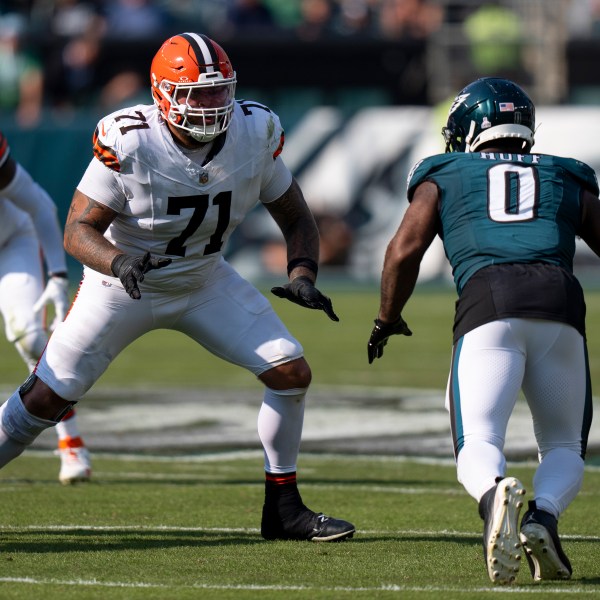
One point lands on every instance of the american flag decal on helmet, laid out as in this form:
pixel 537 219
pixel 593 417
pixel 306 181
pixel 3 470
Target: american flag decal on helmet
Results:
pixel 506 106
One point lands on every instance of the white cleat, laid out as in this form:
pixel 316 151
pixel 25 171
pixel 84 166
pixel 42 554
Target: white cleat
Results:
pixel 502 543
pixel 75 465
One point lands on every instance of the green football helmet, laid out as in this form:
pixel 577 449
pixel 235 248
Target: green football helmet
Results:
pixel 489 109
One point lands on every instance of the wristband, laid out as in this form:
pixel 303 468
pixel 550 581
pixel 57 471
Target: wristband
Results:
pixel 309 263
pixel 116 263
pixel 381 323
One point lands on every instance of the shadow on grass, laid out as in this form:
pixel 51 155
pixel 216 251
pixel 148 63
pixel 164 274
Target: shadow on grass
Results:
pixel 187 479
pixel 74 540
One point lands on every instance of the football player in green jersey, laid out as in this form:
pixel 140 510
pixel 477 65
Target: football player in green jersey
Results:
pixel 508 219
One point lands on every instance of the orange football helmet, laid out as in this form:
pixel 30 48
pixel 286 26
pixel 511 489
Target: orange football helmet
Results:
pixel 193 85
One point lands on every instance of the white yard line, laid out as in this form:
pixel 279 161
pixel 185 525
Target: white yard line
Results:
pixel 292 588
pixel 439 533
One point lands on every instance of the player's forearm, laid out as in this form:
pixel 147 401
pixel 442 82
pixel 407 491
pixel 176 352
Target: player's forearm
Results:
pixel 84 233
pixel 30 197
pixel 401 266
pixel 90 247
pixel 49 234
pixel 398 281
pixel 297 224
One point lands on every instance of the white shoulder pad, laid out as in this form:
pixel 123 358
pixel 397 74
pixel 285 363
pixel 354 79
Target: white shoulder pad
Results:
pixel 264 125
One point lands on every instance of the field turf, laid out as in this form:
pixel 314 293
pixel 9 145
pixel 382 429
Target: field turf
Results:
pixel 337 352
pixel 178 527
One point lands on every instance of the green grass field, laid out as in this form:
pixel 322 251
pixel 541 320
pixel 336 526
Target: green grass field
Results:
pixel 187 527
pixel 336 351
pixel 177 529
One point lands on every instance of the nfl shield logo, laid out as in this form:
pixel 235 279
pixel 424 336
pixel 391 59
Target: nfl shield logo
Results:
pixel 203 177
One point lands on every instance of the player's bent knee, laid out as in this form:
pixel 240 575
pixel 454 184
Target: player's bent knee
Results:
pixel 19 424
pixel 293 374
pixel 41 401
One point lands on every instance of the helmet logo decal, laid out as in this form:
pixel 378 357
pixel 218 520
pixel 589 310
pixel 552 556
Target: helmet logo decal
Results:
pixel 485 124
pixel 457 102
pixel 506 106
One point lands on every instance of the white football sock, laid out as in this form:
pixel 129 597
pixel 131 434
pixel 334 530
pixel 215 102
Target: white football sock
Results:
pixel 68 428
pixel 557 480
pixel 280 422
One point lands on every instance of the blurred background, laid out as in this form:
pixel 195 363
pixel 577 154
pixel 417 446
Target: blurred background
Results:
pixel 362 88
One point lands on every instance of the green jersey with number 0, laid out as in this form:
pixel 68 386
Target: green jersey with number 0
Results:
pixel 499 208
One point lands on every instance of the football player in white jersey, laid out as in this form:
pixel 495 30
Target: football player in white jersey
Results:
pixel 28 222
pixel 149 220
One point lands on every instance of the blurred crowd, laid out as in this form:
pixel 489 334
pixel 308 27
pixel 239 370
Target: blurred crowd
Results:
pixel 61 56
pixel 51 50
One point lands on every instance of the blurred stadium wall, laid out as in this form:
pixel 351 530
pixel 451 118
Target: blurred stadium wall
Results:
pixel 359 111
pixel 352 168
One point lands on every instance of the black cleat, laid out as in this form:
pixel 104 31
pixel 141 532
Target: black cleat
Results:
pixel 306 525
pixel 544 553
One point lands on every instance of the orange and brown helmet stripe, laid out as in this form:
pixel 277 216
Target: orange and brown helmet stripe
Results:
pixel 207 54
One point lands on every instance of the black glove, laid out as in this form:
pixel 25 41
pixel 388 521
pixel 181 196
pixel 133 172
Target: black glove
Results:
pixel 302 291
pixel 380 334
pixel 130 270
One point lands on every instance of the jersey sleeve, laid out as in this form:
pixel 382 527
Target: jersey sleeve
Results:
pixel 101 181
pixel 102 185
pixel 587 177
pixel 4 149
pixel 417 175
pixel 30 197
pixel 268 139
pixel 276 136
pixel 105 139
pixel 425 170
pixel 266 128
pixel 277 183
